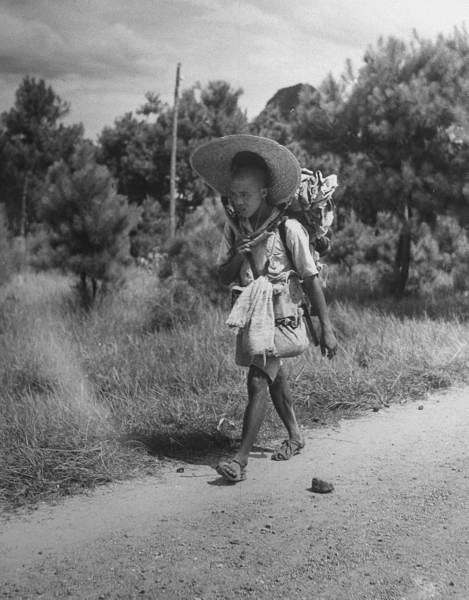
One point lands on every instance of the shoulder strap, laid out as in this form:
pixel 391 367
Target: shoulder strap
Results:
pixel 282 229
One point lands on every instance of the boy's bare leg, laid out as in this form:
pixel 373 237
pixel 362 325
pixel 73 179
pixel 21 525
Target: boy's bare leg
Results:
pixel 283 402
pixel 258 386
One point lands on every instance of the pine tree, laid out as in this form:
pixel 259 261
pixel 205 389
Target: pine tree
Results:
pixel 32 139
pixel 399 131
pixel 89 222
pixel 137 148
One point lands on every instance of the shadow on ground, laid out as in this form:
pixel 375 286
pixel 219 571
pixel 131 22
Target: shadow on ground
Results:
pixel 202 447
pixel 197 447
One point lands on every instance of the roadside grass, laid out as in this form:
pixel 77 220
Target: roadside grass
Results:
pixel 84 397
pixel 362 287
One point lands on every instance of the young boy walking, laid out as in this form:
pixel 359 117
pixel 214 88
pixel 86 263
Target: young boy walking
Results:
pixel 256 174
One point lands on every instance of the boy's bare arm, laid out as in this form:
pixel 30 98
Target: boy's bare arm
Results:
pixel 313 289
pixel 230 270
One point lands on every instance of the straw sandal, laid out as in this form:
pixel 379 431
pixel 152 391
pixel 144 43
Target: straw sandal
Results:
pixel 287 449
pixel 232 470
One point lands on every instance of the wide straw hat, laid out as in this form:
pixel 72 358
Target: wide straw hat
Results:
pixel 213 162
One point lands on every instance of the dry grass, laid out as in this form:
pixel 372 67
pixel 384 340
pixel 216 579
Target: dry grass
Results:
pixel 73 386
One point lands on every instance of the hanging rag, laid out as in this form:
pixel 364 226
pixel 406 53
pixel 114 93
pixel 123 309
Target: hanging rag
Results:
pixel 253 312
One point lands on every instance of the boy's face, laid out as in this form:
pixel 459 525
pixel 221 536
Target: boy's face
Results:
pixel 247 193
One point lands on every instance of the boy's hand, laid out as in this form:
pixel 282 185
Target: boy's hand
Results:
pixel 328 343
pixel 244 246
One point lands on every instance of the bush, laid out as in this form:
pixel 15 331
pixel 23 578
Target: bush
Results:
pixel 191 257
pixel 40 255
pixel 440 257
pixel 177 303
pixel 363 258
pixel 151 231
pixel 358 243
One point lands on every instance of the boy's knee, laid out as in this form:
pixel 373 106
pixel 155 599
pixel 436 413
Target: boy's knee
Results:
pixel 258 381
pixel 280 380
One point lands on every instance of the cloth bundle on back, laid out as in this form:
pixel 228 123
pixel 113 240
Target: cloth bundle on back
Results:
pixel 312 205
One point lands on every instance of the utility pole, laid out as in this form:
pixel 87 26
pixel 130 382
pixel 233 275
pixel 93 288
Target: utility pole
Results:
pixel 172 173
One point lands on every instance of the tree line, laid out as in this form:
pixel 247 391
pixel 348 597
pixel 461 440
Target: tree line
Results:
pixel 396 132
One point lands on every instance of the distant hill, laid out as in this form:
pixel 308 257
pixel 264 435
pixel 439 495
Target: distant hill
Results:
pixel 275 120
pixel 287 98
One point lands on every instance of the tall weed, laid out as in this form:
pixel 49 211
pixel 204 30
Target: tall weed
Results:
pixel 75 385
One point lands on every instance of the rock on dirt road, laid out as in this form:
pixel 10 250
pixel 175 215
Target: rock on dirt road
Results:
pixel 395 527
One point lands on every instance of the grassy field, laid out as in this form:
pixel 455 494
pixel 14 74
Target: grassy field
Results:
pixel 84 397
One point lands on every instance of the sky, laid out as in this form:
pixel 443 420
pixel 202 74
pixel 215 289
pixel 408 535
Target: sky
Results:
pixel 102 56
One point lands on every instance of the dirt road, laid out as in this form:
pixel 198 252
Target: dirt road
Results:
pixel 396 526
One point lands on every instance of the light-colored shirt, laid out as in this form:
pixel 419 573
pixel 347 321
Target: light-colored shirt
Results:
pixel 270 256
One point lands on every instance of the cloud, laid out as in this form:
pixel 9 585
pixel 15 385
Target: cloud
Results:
pixel 360 23
pixel 27 47
pixel 31 46
pixel 264 48
pixel 103 55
